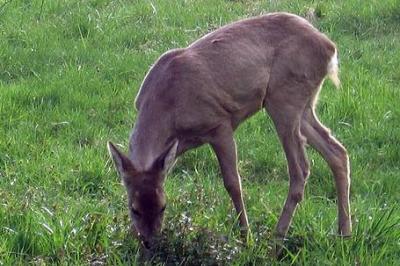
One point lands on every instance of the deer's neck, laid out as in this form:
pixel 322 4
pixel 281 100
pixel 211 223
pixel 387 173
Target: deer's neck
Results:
pixel 150 137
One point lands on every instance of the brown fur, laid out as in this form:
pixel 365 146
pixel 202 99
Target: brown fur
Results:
pixel 200 94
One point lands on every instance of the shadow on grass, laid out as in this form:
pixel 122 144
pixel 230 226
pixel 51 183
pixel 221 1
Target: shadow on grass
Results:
pixel 183 243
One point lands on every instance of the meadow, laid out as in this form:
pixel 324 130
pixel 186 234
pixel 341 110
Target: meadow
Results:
pixel 69 73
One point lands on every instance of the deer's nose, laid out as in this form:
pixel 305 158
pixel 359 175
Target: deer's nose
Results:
pixel 146 244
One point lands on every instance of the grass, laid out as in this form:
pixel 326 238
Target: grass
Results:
pixel 69 71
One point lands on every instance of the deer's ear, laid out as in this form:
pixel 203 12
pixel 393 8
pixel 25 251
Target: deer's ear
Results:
pixel 122 163
pixel 166 160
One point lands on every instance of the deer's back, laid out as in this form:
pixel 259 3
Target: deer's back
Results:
pixel 225 75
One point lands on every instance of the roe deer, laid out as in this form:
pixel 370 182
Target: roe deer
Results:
pixel 200 94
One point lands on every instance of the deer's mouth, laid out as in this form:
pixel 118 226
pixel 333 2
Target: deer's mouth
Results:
pixel 146 244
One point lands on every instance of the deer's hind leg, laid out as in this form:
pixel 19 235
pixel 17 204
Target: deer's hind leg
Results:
pixel 319 137
pixel 286 110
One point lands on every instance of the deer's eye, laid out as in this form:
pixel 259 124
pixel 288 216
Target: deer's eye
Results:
pixel 135 212
pixel 163 208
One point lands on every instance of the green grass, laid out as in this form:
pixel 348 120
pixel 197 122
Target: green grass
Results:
pixel 69 72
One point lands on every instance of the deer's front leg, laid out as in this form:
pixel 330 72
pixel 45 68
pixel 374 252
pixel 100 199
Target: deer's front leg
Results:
pixel 224 147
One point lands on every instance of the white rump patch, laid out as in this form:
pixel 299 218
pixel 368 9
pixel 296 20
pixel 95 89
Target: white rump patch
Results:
pixel 333 70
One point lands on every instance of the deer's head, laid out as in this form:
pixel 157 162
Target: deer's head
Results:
pixel 146 197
